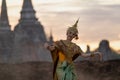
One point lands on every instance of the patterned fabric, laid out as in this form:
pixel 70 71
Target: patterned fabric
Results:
pixel 71 51
pixel 65 71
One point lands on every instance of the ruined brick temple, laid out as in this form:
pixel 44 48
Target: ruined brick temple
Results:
pixel 25 43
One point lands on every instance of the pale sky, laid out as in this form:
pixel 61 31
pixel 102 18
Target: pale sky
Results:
pixel 99 19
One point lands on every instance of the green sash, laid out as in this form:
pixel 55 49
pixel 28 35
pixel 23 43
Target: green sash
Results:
pixel 65 71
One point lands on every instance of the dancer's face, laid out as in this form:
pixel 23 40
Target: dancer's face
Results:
pixel 71 35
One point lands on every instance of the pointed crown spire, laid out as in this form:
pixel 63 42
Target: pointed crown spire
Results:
pixel 73 28
pixel 75 25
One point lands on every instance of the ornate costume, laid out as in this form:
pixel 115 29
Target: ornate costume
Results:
pixel 63 56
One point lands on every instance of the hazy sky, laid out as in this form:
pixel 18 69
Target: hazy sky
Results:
pixel 99 19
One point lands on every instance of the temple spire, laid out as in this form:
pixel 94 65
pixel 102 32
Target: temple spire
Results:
pixel 88 49
pixel 28 12
pixel 4 22
pixel 51 37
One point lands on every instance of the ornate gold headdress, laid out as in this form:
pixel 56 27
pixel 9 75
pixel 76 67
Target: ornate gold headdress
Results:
pixel 73 28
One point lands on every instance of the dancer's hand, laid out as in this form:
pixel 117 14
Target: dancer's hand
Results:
pixel 46 45
pixel 49 47
pixel 97 53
